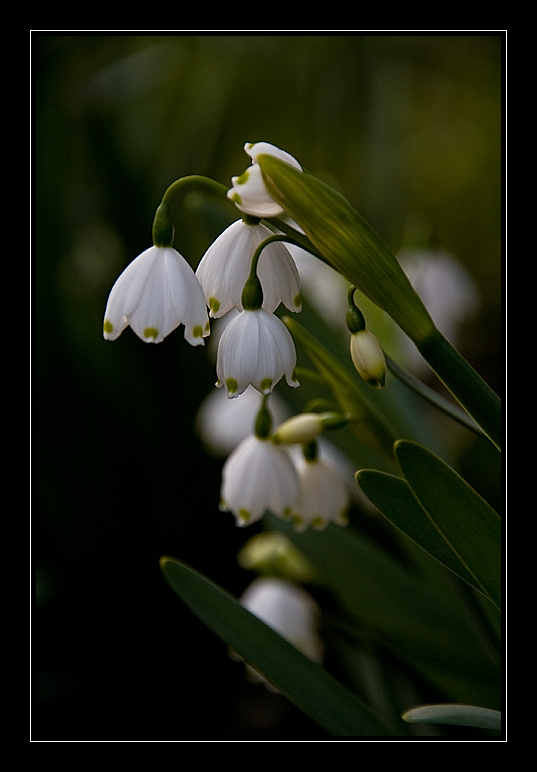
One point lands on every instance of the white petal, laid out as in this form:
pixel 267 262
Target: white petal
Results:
pixel 224 268
pixel 324 497
pixel 250 194
pixel 124 295
pixel 278 274
pixel 278 339
pixel 264 148
pixel 186 298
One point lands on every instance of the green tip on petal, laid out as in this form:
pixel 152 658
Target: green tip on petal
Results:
pixel 244 516
pixel 214 305
pixel 243 178
pixel 231 385
pixel 298 300
pixel 266 384
pixel 198 331
pixel 151 332
pixel 107 327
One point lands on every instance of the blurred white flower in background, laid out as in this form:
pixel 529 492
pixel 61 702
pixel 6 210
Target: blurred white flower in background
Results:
pixel 324 288
pixel 290 611
pixel 447 290
pixel 223 423
pixel 324 497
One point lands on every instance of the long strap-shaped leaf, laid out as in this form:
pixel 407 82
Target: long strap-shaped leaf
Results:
pixel 306 684
pixel 393 497
pixel 351 245
pixel 467 523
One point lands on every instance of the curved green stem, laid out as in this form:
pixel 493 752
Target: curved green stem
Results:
pixel 163 229
pixel 196 182
pixel 252 296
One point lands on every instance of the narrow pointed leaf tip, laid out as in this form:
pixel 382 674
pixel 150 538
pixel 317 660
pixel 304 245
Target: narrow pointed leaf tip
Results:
pixel 469 525
pixel 459 715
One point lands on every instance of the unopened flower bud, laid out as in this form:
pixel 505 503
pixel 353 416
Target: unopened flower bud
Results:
pixel 306 427
pixel 368 358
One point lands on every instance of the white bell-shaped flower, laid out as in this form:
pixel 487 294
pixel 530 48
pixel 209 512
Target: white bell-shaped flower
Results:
pixel 255 348
pixel 249 192
pixel 156 293
pixel 258 476
pixel 225 267
pixel 324 496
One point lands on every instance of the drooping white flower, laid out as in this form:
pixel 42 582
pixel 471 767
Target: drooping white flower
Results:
pixel 255 348
pixel 258 476
pixel 225 267
pixel 156 293
pixel 249 192
pixel 324 496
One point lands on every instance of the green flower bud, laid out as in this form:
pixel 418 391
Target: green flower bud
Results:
pixel 348 243
pixel 306 427
pixel 368 358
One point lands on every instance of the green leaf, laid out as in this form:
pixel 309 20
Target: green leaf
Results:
pixel 467 523
pixel 461 715
pixel 351 245
pixel 393 497
pixel 306 684
pixel 395 606
pixel 348 243
pixel 350 392
pixel 466 385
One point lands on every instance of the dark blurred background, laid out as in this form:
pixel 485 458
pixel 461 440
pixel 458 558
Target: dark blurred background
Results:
pixel 408 127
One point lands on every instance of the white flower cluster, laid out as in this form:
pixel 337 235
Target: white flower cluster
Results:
pixel 159 290
pixel 264 473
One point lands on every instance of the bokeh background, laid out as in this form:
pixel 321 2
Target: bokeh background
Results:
pixel 408 127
